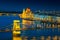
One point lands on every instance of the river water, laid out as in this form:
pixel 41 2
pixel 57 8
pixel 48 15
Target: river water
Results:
pixel 30 33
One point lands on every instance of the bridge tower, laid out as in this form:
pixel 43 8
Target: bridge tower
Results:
pixel 16 30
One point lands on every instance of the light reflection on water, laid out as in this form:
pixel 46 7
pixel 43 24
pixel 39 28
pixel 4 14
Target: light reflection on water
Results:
pixel 29 33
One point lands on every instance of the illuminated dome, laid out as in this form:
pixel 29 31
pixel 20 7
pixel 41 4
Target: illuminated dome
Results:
pixel 28 10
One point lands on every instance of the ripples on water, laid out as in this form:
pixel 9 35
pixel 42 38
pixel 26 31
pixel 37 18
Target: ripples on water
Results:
pixel 5 36
pixel 30 33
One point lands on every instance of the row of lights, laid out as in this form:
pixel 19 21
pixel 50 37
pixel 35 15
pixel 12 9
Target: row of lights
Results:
pixel 7 14
pixel 42 38
pixel 39 26
pixel 43 25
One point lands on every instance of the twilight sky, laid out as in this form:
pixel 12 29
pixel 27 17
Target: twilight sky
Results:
pixel 18 5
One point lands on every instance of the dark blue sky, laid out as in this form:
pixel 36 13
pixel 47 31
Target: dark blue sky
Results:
pixel 18 5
